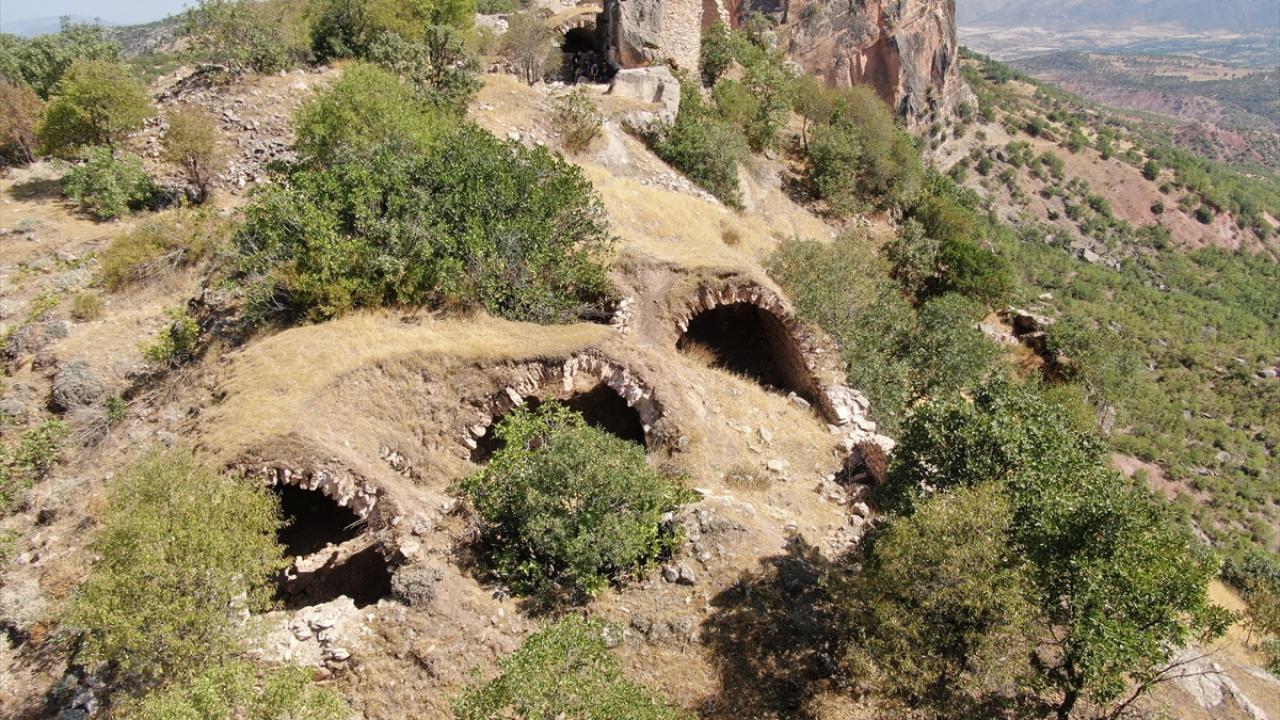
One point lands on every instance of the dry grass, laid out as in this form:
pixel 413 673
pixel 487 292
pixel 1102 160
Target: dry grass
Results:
pixel 747 477
pixel 269 385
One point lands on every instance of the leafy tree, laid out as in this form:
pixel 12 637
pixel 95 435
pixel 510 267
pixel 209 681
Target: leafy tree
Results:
pixel 703 147
pixel 237 689
pixel 1098 359
pixel 834 154
pixel 949 353
pixel 42 61
pixel 98 103
pixel 563 671
pixel 180 550
pixel 939 611
pixel 348 28
pixel 567 507
pixel 241 35
pixel 716 54
pixel 1120 585
pixel 437 65
pixel 108 187
pixel 814 102
pixel 1262 616
pixel 462 219
pixel 528 45
pixel 771 82
pixel 862 156
pixel 191 143
pixel 18 141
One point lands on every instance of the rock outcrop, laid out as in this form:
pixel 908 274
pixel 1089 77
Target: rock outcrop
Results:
pixel 906 49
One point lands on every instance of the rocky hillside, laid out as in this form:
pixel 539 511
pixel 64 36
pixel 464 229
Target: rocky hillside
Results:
pixel 449 371
pixel 1247 16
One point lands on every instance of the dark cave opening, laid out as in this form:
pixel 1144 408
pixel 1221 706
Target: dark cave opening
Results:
pixel 602 407
pixel 313 520
pixel 579 39
pixel 364 576
pixel 584 59
pixel 749 340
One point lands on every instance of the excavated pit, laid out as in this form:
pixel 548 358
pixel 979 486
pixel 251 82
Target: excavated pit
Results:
pixel 749 340
pixel 331 553
pixel 602 407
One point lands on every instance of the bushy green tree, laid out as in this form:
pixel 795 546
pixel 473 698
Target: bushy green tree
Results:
pixel 191 143
pixel 703 146
pixel 97 103
pixel 949 352
pixel 716 54
pixel 563 671
pixel 1262 616
pixel 1097 359
pixel 939 611
pixel 19 121
pixel 863 158
pixel 578 118
pixel 106 186
pixel 566 507
pixel 180 552
pixel 394 203
pixel 437 65
pixel 348 28
pixel 1119 583
pixel 242 35
pixel 43 60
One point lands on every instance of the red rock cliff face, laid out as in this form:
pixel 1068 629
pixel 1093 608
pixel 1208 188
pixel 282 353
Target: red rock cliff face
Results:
pixel 906 49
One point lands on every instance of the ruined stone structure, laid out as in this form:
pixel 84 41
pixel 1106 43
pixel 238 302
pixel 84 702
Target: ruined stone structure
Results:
pixel 906 49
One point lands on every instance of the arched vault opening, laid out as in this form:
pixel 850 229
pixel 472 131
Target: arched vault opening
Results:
pixel 752 341
pixel 601 407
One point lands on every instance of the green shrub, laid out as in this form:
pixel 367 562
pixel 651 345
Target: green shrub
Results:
pixel 1121 585
pixel 86 306
pixel 465 221
pixel 191 143
pixel 29 460
pixel 939 613
pixel 862 156
pixel 947 350
pixel 106 186
pixel 18 124
pixel 437 65
pixel 348 28
pixel 97 103
pixel 562 671
pixel 578 119
pixel 702 146
pixel 161 245
pixel 771 83
pixel 245 35
pixel 238 690
pixel 180 552
pixel 117 410
pixel 566 507
pixel 42 61
pixel 1205 215
pixel 177 343
pixel 716 54
pixel 1262 616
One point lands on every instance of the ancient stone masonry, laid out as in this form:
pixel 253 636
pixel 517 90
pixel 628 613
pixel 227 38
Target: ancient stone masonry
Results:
pixel 578 374
pixel 336 483
pixel 808 359
pixel 651 32
pixel 906 49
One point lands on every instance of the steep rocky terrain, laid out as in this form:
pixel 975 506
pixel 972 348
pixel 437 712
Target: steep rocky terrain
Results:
pixel 1235 15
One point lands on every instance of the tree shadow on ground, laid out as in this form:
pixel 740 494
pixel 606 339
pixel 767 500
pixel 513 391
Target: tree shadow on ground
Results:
pixel 775 638
pixel 38 189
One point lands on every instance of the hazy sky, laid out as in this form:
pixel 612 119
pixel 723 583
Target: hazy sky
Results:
pixel 113 11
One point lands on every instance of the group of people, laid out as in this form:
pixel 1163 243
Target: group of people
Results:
pixel 589 66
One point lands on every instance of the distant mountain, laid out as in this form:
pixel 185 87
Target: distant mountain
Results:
pixel 39 26
pixel 1251 16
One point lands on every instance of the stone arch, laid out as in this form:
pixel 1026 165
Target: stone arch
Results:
pixel 745 328
pixel 610 396
pixel 326 536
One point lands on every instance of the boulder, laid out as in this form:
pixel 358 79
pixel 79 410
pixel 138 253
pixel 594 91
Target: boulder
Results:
pixel 76 385
pixel 653 85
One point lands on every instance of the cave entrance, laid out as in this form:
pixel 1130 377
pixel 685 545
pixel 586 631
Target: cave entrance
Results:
pixel 313 520
pixel 362 575
pixel 749 340
pixel 331 555
pixel 602 407
pixel 584 59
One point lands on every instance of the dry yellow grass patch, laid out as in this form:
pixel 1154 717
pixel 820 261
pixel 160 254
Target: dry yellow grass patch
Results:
pixel 268 386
